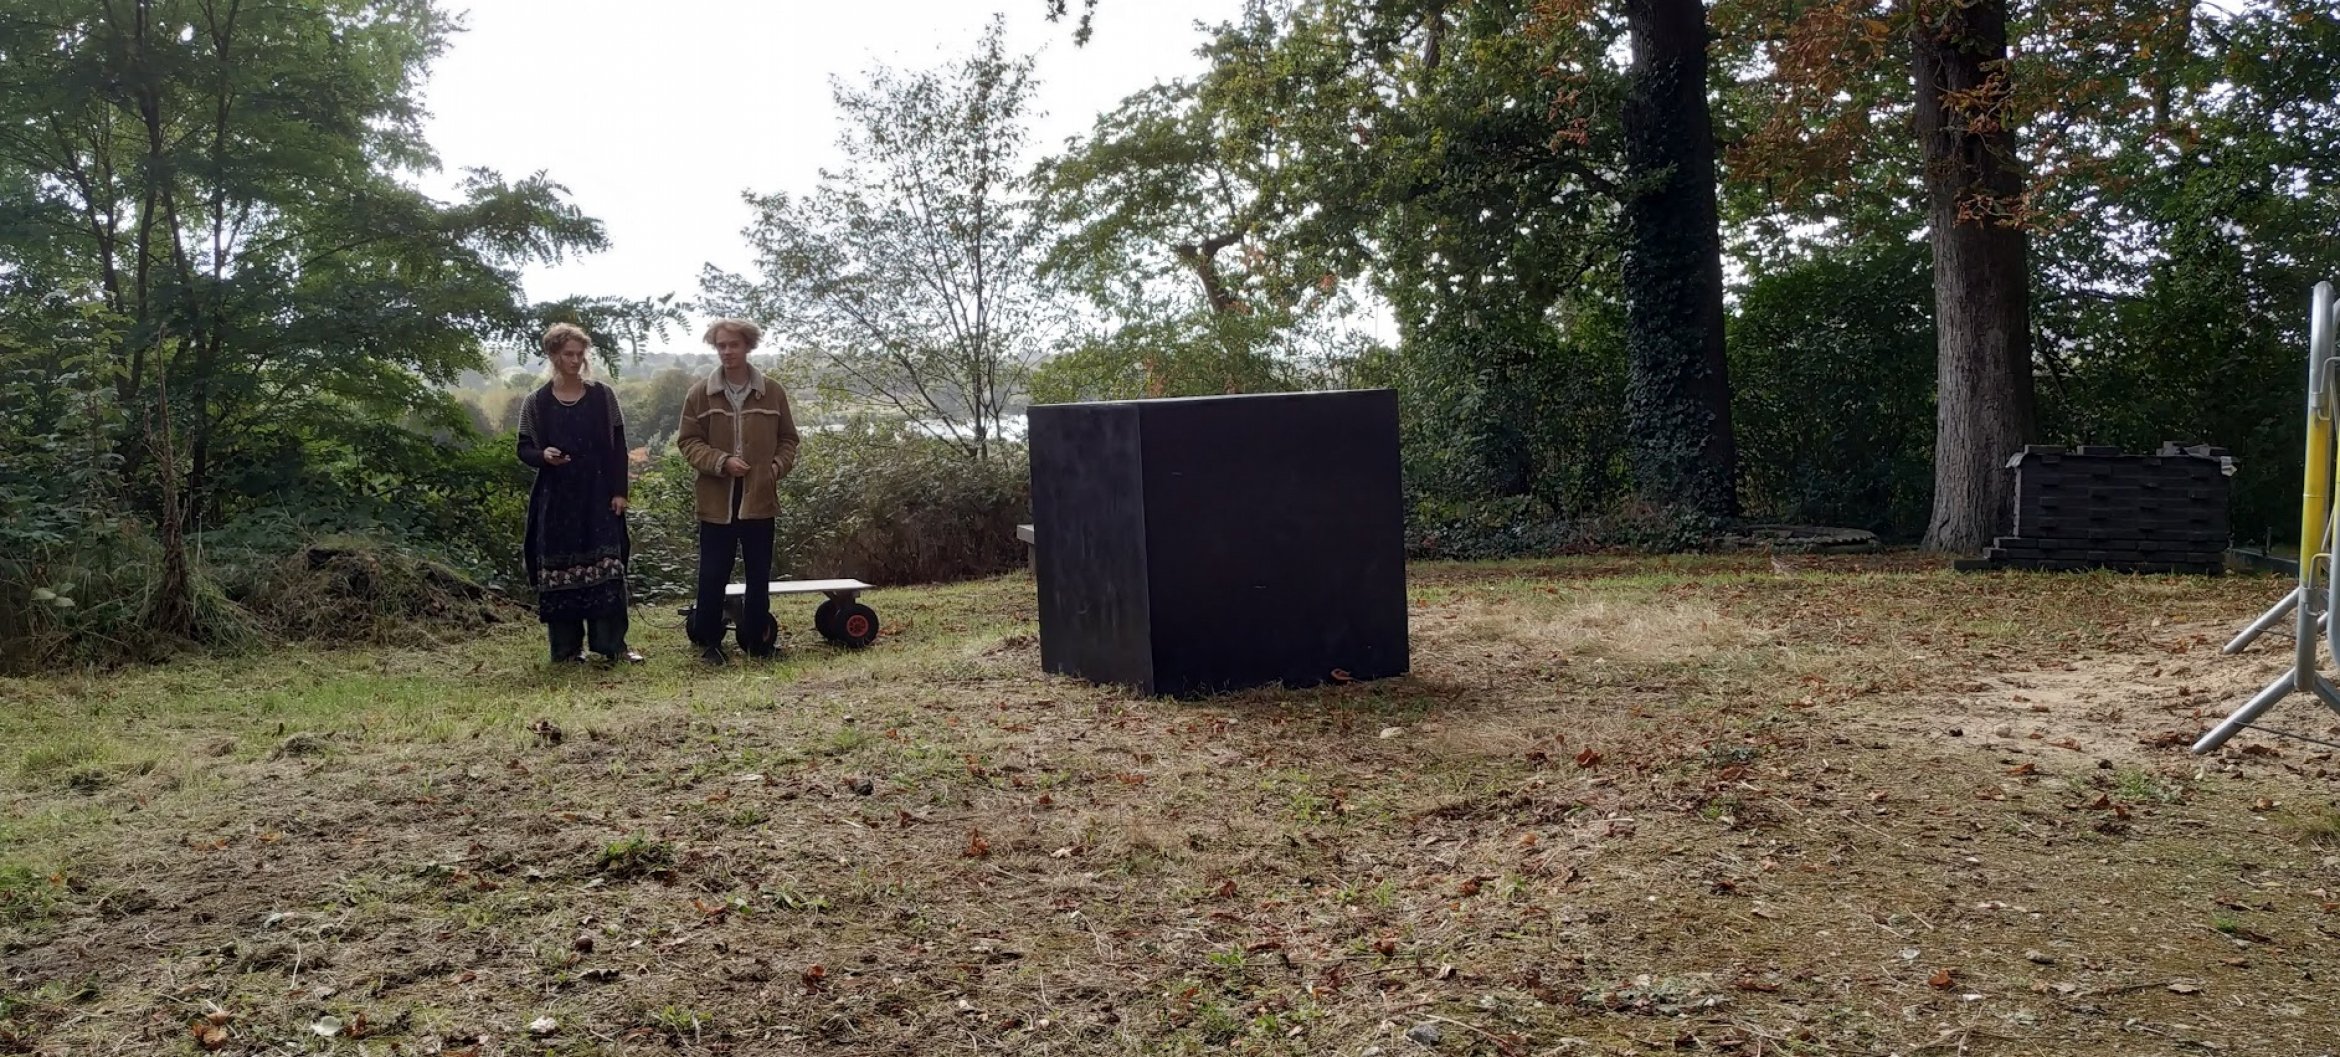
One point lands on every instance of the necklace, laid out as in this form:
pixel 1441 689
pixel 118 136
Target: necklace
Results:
pixel 569 401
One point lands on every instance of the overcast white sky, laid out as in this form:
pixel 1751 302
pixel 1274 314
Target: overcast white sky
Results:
pixel 658 114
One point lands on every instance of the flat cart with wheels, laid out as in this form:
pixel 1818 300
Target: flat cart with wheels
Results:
pixel 841 617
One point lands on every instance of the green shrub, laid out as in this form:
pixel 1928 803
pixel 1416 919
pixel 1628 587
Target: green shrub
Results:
pixel 1832 372
pixel 460 498
pixel 1519 528
pixel 866 501
pixel 90 601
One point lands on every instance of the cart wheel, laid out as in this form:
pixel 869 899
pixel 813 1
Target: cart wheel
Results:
pixel 761 641
pixel 825 620
pixel 857 625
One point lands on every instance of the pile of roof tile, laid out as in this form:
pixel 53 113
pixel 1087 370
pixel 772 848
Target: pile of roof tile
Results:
pixel 2096 508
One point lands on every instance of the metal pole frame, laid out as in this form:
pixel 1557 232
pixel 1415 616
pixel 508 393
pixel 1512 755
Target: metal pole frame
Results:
pixel 2309 606
pixel 2291 599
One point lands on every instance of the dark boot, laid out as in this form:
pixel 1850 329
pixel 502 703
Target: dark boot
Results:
pixel 567 638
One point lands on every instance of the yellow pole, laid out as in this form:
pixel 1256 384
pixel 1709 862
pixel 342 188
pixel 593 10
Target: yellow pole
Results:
pixel 2315 506
pixel 2316 500
pixel 2315 503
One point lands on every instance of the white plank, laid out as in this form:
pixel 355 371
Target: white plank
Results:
pixel 801 587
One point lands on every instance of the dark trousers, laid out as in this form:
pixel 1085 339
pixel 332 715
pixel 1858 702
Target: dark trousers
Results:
pixel 751 541
pixel 607 635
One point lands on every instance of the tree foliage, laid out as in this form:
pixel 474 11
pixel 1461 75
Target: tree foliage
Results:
pixel 911 271
pixel 225 295
pixel 1833 361
pixel 1190 220
pixel 1469 163
pixel 2179 174
pixel 1466 162
pixel 223 180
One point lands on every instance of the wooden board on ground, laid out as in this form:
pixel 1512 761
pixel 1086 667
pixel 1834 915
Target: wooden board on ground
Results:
pixel 801 587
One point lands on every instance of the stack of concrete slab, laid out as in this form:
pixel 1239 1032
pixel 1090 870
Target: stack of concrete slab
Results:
pixel 2097 508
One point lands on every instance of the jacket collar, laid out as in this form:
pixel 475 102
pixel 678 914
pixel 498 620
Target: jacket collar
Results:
pixel 716 382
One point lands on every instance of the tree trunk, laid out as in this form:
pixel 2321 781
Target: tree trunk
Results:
pixel 172 610
pixel 1203 259
pixel 1678 402
pixel 1974 188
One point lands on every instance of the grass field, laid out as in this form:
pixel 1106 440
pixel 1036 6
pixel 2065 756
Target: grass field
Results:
pixel 1621 806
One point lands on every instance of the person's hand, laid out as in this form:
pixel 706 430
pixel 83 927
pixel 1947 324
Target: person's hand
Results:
pixel 617 504
pixel 735 466
pixel 555 457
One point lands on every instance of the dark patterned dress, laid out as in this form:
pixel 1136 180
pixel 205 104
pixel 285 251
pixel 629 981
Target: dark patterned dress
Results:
pixel 577 548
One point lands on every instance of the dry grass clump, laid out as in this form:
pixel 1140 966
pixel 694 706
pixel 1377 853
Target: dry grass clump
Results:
pixel 355 592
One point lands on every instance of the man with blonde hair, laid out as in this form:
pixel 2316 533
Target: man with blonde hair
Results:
pixel 738 433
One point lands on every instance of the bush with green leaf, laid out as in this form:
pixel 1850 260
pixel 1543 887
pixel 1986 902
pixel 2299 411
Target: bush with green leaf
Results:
pixel 90 603
pixel 1512 433
pixel 866 500
pixel 1832 364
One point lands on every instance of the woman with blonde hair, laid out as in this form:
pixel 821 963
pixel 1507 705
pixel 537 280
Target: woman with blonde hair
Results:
pixel 577 547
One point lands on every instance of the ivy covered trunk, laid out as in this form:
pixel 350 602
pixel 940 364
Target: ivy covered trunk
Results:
pixel 1678 402
pixel 1974 190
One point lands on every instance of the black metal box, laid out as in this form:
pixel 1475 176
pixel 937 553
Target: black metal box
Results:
pixel 1191 546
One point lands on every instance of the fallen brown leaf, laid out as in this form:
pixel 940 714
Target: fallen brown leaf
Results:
pixel 208 1035
pixel 1941 979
